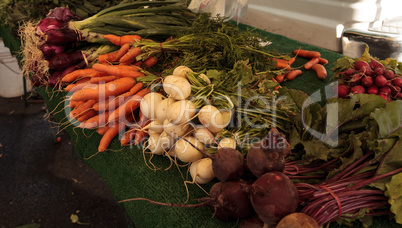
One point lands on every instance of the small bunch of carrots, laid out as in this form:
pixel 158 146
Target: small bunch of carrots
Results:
pixel 316 63
pixel 127 53
pixel 106 97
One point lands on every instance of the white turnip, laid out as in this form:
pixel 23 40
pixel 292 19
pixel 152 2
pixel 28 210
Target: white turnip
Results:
pixel 181 111
pixel 188 149
pixel 177 87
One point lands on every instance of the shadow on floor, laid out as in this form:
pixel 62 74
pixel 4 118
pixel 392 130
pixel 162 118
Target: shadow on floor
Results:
pixel 43 182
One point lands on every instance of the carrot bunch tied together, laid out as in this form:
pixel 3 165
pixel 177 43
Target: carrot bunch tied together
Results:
pixel 106 97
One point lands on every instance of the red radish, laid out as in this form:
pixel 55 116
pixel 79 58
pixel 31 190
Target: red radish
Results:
pixel 367 81
pixel 358 89
pixel 374 64
pixel 378 71
pixel 366 70
pixel 395 90
pixel 384 96
pixel 372 90
pixel 360 64
pixel 380 81
pixel 385 90
pixel 389 74
pixel 356 78
pixel 397 82
pixel 342 90
pixel 350 72
pixel 273 196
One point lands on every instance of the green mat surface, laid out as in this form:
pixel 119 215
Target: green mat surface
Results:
pixel 129 173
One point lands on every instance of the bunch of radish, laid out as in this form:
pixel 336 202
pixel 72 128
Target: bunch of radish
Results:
pixel 370 77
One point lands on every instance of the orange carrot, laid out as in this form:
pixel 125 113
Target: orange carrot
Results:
pixel 291 61
pixel 86 115
pixel 83 80
pixel 109 135
pixel 132 53
pixel 112 104
pixel 140 136
pixel 117 70
pixel 122 51
pixel 129 106
pixel 127 137
pixel 76 74
pixel 121 40
pixel 323 61
pixel 293 74
pixel 102 79
pixel 280 78
pixel 129 62
pixel 98 74
pixel 107 57
pixel 101 130
pixel 307 53
pixel 103 91
pixel 96 121
pixel 311 63
pixel 149 62
pixel 281 63
pixel 138 63
pixel 75 104
pixel 82 109
pixel 320 71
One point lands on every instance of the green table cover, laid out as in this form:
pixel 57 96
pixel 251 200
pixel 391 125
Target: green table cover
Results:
pixel 130 174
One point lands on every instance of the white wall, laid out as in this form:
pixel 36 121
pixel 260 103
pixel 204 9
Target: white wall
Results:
pixel 318 22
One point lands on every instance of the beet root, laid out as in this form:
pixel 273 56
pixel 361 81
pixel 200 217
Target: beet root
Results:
pixel 228 164
pixel 297 220
pixel 230 200
pixel 268 154
pixel 273 196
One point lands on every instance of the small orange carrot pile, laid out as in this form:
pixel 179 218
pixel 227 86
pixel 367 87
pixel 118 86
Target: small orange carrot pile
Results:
pixel 106 97
pixel 315 62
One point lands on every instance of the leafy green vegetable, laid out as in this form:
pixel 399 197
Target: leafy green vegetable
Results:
pixel 394 194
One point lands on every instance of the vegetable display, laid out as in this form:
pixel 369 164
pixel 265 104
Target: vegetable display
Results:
pixel 213 102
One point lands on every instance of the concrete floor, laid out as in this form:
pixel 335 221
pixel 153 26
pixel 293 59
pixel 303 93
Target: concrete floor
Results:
pixel 42 183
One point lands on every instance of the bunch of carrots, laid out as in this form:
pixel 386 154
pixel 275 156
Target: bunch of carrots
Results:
pixel 106 96
pixel 315 62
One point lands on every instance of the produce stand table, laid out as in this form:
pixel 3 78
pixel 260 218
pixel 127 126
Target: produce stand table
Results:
pixel 129 174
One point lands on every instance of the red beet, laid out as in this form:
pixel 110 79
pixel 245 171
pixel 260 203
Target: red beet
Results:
pixel 268 154
pixel 230 200
pixel 358 89
pixel 228 164
pixel 273 196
